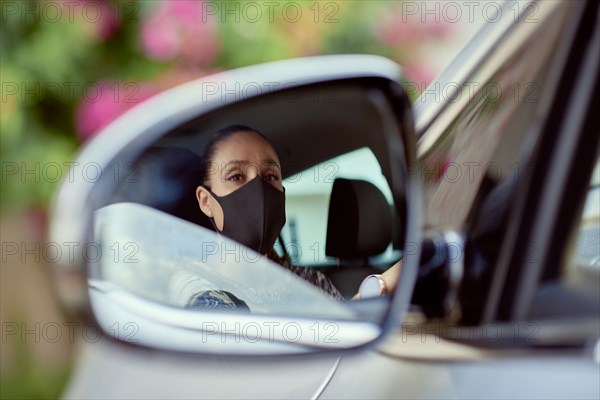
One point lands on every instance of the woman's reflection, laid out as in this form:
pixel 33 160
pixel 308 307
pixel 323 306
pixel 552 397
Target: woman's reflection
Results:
pixel 241 192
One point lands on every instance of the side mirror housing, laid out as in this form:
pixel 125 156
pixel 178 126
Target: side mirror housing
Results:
pixel 312 110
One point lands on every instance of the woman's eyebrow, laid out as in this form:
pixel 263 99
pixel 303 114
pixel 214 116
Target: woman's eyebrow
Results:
pixel 236 162
pixel 268 161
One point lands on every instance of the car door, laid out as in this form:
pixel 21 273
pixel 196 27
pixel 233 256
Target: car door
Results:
pixel 506 150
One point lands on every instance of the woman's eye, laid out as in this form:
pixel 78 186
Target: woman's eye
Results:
pixel 271 178
pixel 235 178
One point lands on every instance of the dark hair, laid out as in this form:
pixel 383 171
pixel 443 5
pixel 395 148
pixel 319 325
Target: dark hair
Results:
pixel 208 155
pixel 211 147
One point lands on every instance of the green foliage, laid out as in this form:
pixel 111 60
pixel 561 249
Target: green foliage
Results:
pixel 48 65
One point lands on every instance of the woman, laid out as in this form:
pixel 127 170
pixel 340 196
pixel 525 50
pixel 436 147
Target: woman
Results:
pixel 241 191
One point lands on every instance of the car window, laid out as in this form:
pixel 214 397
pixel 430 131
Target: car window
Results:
pixel 573 293
pixel 307 203
pixel 585 252
pixel 475 153
pixel 483 142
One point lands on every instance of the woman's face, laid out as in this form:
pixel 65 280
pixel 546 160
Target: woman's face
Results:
pixel 238 159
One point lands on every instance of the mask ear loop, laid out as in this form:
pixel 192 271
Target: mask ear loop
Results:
pixel 212 219
pixel 280 239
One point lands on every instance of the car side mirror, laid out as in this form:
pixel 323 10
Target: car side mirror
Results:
pixel 147 261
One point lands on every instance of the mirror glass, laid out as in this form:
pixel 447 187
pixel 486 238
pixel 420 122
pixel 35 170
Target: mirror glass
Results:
pixel 275 206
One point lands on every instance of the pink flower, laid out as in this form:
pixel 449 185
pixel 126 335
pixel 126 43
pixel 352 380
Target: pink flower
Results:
pixel 109 22
pixel 420 73
pixel 437 28
pixel 160 37
pixel 180 29
pixel 199 47
pixel 187 12
pixel 397 29
pixel 400 27
pixel 106 102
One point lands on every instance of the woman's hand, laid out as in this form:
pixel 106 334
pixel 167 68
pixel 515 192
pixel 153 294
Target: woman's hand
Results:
pixel 389 277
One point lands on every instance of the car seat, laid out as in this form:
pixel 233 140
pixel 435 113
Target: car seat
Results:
pixel 164 178
pixel 359 226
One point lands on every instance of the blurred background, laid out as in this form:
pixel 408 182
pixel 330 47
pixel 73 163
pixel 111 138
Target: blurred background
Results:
pixel 68 68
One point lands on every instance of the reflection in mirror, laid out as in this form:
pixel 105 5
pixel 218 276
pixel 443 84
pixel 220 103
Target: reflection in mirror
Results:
pixel 278 205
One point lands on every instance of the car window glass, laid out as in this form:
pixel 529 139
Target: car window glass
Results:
pixel 574 292
pixel 484 142
pixel 307 203
pixel 585 252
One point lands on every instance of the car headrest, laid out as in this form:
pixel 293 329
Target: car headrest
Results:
pixel 360 220
pixel 164 178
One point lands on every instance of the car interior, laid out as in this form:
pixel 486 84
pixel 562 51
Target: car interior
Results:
pixel 361 224
pixel 363 231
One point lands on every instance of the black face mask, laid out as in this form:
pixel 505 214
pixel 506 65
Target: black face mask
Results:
pixel 253 215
